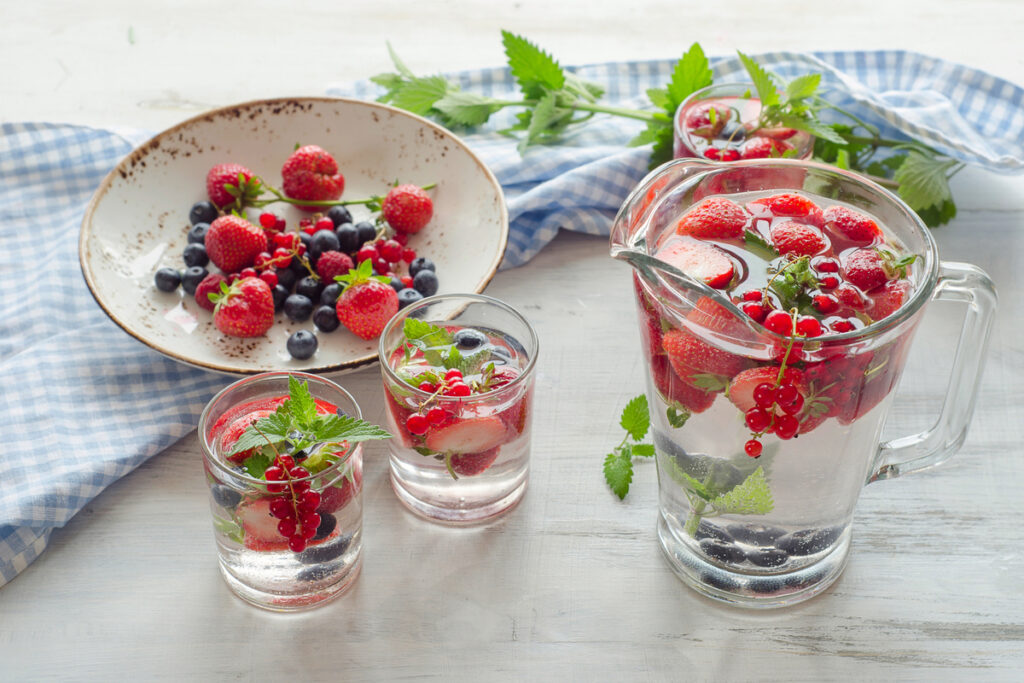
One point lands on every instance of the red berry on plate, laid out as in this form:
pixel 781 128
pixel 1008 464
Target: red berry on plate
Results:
pixel 408 255
pixel 366 304
pixel 233 243
pixel 245 310
pixel 331 264
pixel 227 174
pixel 270 277
pixel 312 173
pixel 407 208
pixel 391 251
pixel 209 285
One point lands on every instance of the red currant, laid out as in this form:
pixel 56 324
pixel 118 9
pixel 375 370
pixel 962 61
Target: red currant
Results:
pixel 756 311
pixel 786 426
pixel 406 280
pixel 753 448
pixel 391 251
pixel 366 253
pixel 401 238
pixel 427 387
pixel 300 487
pixel 285 461
pixel 324 224
pixel 380 266
pixel 808 326
pixel 281 509
pixel 764 395
pixel 273 473
pixel 712 153
pixel 281 224
pixel 297 543
pixel 310 522
pixel 828 282
pixel 270 277
pixel 282 257
pixel 247 273
pixel 825 303
pixel 268 220
pixel 286 527
pixel 436 415
pixel 275 488
pixel 453 374
pixel 827 265
pixel 786 394
pixel 779 322
pixel 842 326
pixel 753 295
pixel 408 255
pixel 459 389
pixel 261 260
pixel 729 155
pixel 758 419
pixel 298 472
pixel 417 424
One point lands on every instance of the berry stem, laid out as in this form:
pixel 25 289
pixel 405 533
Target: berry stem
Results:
pixel 281 197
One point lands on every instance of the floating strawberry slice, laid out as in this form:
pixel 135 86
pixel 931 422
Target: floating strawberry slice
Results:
pixel 260 526
pixel 235 430
pixel 798 238
pixel 468 435
pixel 333 498
pixel 713 218
pixel 788 205
pixel 691 356
pixel 760 147
pixel 853 225
pixel 699 260
pixel 887 299
pixel 471 464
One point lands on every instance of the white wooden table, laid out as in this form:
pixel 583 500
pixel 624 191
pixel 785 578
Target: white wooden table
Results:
pixel 571 585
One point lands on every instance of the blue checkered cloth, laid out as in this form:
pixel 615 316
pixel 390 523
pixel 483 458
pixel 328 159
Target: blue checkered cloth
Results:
pixel 83 403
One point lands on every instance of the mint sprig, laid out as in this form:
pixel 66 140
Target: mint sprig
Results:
pixel 618 465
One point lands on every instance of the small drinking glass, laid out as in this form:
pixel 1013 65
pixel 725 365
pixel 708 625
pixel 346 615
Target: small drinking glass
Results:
pixel 257 561
pixel 458 374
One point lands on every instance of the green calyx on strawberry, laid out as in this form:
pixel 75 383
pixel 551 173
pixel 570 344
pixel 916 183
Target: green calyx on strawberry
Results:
pixel 232 186
pixel 367 301
pixel 244 309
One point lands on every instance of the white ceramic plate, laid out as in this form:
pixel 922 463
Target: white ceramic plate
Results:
pixel 138 219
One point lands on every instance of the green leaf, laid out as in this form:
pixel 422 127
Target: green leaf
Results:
pixel 300 403
pixel 939 214
pixel 229 528
pixel 759 245
pixel 659 97
pixel 710 382
pixel 662 150
pixel 431 335
pixel 643 450
pixel 257 463
pixel 636 418
pixel 543 115
pixel 388 81
pixel 764 83
pixel 923 180
pixel 677 415
pixel 420 94
pixel 691 73
pixel 618 471
pixel 272 429
pixel 338 428
pixel 803 86
pixel 402 68
pixel 586 90
pixel 685 480
pixel 467 109
pixel 810 125
pixel 534 69
pixel 752 497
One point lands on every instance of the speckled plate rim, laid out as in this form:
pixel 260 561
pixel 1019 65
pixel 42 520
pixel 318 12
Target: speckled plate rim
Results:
pixel 140 152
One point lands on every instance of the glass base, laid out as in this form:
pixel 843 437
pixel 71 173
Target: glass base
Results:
pixel 467 513
pixel 293 601
pixel 757 591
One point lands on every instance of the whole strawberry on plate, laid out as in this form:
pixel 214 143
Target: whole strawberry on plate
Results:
pixel 245 309
pixel 233 243
pixel 407 208
pixel 367 301
pixel 226 183
pixel 311 174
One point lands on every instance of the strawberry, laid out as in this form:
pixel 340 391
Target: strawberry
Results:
pixel 675 390
pixel 245 309
pixel 690 356
pixel 850 297
pixel 468 435
pixel 853 225
pixel 865 268
pixel 789 205
pixel 233 243
pixel 710 314
pixel 335 497
pixel 311 173
pixel 331 264
pixel 699 260
pixel 798 238
pixel 407 208
pixel 367 302
pixel 741 387
pixel 235 430
pixel 698 119
pixel 713 218
pixel 470 464
pixel 260 526
pixel 760 147
pixel 248 187
pixel 209 285
pixel 887 299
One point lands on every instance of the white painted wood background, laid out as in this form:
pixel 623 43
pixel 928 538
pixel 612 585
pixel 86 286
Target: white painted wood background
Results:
pixel 571 585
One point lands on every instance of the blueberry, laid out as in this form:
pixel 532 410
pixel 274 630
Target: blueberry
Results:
pixel 733 130
pixel 298 308
pixel 348 238
pixel 468 339
pixel 768 557
pixel 339 215
pixel 425 282
pixel 397 284
pixel 309 287
pixel 720 581
pixel 328 523
pixel 225 496
pixel 329 295
pixel 421 263
pixel 167 279
pixel 197 235
pixel 202 212
pixel 191 278
pixel 326 318
pixel 286 277
pixel 808 541
pixel 708 530
pixel 323 240
pixel 302 344
pixel 367 231
pixel 296 268
pixel 305 238
pixel 755 534
pixel 195 255
pixel 327 551
pixel 408 296
pixel 280 293
pixel 721 551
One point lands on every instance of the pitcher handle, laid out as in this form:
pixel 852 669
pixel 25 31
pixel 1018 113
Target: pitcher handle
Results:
pixel 969 284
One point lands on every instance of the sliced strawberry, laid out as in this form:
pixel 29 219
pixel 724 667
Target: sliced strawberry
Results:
pixel 699 260
pixel 675 390
pixel 517 416
pixel 260 526
pixel 333 498
pixel 691 357
pixel 852 225
pixel 760 147
pixel 788 205
pixel 798 238
pixel 713 218
pixel 468 435
pixel 471 464
pixel 888 298
pixel 235 430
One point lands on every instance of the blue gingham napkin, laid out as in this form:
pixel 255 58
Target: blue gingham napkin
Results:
pixel 82 403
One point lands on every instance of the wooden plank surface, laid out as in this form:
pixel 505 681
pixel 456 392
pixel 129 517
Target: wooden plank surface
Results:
pixel 571 585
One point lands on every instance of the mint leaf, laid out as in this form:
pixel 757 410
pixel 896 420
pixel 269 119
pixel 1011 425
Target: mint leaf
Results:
pixel 420 94
pixel 684 479
pixel 271 429
pixel 542 118
pixel 636 419
pixel 677 415
pixel 939 214
pixel 430 335
pixel 618 471
pixel 467 109
pixel 691 73
pixel 709 382
pixel 764 83
pixel 229 528
pixel 803 86
pixel 338 428
pixel 257 463
pixel 923 180
pixel 643 450
pixel 752 497
pixel 300 403
pixel 534 69
pixel 759 245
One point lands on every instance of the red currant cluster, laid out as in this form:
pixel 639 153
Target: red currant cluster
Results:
pixel 297 507
pixel 757 304
pixel 451 385
pixel 386 254
pixel 716 154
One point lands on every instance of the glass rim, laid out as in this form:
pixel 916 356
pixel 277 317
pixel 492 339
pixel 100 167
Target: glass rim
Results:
pixel 920 294
pixel 210 457
pixel 523 378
